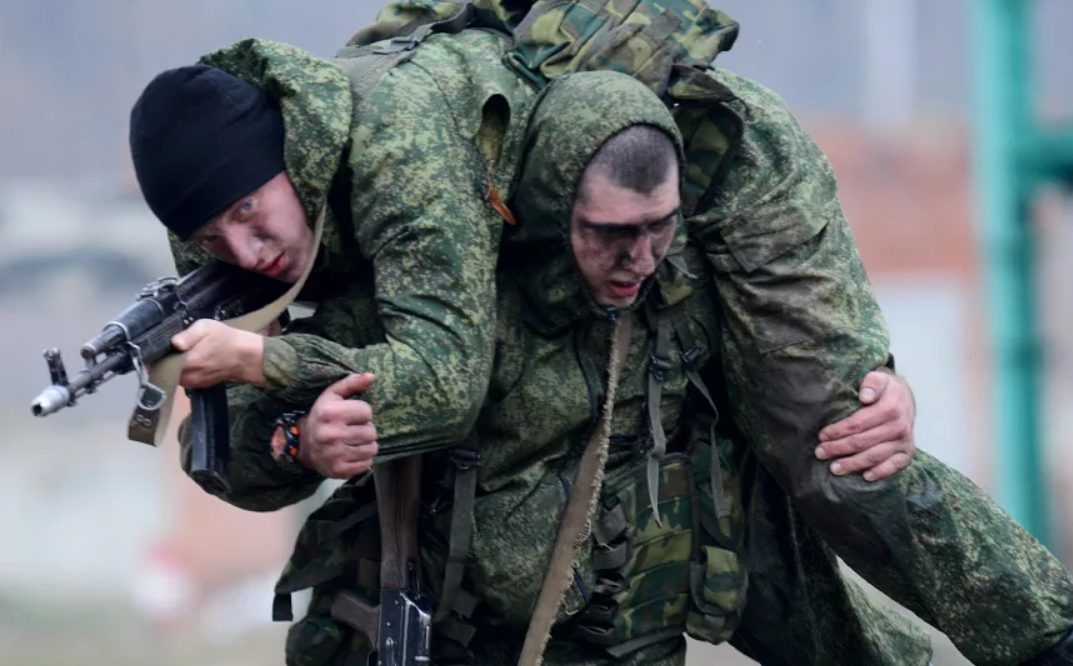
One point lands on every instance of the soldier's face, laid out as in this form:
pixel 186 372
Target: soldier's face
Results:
pixel 266 231
pixel 619 236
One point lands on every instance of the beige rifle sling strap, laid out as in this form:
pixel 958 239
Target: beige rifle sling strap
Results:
pixel 149 426
pixel 577 519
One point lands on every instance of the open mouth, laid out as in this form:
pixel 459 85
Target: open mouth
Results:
pixel 624 289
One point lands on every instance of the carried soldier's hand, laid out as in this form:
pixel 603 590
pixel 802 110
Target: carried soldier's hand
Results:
pixel 338 438
pixel 216 352
pixel 878 439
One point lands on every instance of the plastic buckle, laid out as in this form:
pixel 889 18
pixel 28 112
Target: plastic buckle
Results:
pixel 397 45
pixel 464 459
pixel 690 358
pixel 659 366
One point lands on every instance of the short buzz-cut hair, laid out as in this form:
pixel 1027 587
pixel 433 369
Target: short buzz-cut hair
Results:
pixel 639 159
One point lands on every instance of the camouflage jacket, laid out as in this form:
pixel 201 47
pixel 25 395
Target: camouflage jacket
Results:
pixel 421 150
pixel 547 384
pixel 803 325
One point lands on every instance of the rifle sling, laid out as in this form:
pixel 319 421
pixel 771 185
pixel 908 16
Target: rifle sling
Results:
pixel 577 519
pixel 465 459
pixel 150 426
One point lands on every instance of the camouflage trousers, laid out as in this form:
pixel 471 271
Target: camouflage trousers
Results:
pixel 799 611
pixel 928 538
pixel 949 554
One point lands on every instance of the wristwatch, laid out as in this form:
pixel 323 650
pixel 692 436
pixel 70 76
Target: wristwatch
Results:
pixel 286 439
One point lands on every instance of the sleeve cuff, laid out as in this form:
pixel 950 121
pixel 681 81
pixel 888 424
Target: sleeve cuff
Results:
pixel 279 363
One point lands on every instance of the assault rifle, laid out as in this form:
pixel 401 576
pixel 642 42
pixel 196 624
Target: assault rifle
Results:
pixel 141 335
pixel 400 627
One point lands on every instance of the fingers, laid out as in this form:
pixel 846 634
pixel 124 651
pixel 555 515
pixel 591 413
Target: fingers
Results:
pixel 344 412
pixel 885 431
pixel 864 460
pixel 197 331
pixel 342 469
pixel 195 380
pixel 864 419
pixel 336 435
pixel 344 462
pixel 873 386
pixel 340 438
pixel 352 385
pixel 888 468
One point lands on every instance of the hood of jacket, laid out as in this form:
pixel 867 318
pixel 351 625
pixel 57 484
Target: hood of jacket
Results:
pixel 574 116
pixel 315 98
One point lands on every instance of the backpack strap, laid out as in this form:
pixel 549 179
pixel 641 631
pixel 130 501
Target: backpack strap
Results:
pixel 659 364
pixel 465 459
pixel 412 34
pixel 690 355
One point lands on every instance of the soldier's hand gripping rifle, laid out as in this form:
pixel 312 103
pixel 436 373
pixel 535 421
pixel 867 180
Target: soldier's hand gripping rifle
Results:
pixel 141 335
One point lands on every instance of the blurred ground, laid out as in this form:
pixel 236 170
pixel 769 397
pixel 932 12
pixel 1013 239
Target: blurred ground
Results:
pixel 33 635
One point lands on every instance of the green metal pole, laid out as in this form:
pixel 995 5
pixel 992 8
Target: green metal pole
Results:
pixel 1003 103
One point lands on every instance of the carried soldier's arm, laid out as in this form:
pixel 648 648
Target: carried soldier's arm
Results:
pixel 802 324
pixel 433 244
pixel 420 220
pixel 802 327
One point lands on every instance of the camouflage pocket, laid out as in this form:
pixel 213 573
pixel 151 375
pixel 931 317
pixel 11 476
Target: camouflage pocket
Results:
pixel 718 578
pixel 339 544
pixel 318 640
pixel 642 566
pixel 514 536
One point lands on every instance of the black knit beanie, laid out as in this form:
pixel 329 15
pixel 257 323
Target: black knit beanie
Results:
pixel 201 140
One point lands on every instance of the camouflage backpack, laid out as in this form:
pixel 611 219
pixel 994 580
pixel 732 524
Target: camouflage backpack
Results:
pixel 668 45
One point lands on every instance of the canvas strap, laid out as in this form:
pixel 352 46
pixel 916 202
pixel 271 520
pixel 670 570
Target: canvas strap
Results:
pixel 577 519
pixel 149 425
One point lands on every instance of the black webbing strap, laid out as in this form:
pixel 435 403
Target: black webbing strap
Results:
pixel 465 459
pixel 659 364
pixel 690 354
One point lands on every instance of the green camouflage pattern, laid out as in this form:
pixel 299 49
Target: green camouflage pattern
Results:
pixel 432 240
pixel 652 593
pixel 642 38
pixel 799 608
pixel 947 545
pixel 771 224
pixel 559 343
pixel 666 44
pixel 802 327
pixel 523 494
pixel 423 225
pixel 258 483
pixel 530 455
pixel 350 318
pixel 402 17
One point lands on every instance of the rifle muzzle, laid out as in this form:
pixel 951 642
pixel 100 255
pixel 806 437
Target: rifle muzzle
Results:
pixel 51 400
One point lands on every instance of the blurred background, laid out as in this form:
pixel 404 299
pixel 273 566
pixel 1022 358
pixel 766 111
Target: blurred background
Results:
pixel 108 555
